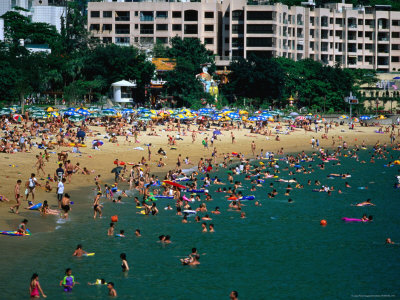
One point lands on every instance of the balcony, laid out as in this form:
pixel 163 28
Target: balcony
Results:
pixel 122 16
pixel 146 16
pixel 352 26
pixel 146 31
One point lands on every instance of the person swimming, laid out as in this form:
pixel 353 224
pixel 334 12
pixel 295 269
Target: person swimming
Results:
pixel 69 281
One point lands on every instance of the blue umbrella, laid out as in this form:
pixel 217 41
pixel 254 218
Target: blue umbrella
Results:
pixel 397 78
pixel 71 113
pixel 253 119
pixel 128 110
pixel 365 118
pixel 83 112
pixel 234 115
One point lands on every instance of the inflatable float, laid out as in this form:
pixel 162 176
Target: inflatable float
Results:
pixel 89 254
pixel 36 206
pixel 246 198
pixel 197 191
pixel 189 212
pixel 353 220
pixel 163 197
pixel 15 233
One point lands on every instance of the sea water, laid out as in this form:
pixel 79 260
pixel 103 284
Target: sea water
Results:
pixel 279 251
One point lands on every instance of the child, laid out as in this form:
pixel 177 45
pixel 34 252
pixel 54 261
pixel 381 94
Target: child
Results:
pixel 22 227
pixel 111 291
pixel 47 187
pixel 110 230
pixel 17 193
pixel 69 281
pixel 35 288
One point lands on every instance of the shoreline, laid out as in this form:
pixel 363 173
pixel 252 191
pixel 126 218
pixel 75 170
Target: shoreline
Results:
pixel 93 159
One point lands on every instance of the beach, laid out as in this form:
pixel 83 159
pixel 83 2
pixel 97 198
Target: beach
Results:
pixel 21 165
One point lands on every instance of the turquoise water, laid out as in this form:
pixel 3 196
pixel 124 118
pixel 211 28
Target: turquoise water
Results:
pixel 278 252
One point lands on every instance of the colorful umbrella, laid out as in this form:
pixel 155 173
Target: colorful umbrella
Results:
pixel 301 118
pixel 18 118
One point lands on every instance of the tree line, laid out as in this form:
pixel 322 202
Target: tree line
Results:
pixel 80 65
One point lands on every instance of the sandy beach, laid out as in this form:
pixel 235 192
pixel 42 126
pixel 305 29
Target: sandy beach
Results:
pixel 21 165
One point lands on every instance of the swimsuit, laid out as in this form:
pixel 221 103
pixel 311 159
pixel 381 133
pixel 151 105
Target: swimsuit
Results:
pixel 68 282
pixel 35 291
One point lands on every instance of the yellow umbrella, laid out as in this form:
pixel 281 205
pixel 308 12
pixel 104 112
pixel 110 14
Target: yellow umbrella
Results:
pixel 243 112
pixel 50 109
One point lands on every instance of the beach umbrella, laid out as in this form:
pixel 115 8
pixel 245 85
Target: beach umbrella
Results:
pixel 116 170
pixel 50 109
pixel 108 113
pixel 181 117
pixel 356 119
pixel 396 78
pixel 381 117
pixel 95 114
pixel 233 115
pixel 77 118
pixel 53 115
pixel 83 112
pixel 294 113
pixel 18 118
pixel 363 118
pixel 71 113
pixel 252 119
pixel 301 118
pixel 128 111
pixel 342 117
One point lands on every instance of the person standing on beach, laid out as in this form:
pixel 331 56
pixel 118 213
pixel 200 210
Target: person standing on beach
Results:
pixel 253 148
pixel 34 288
pixel 70 169
pixel 60 191
pixel 193 136
pixel 149 151
pixel 17 193
pixel 59 173
pixel 30 187
pixel 40 164
pixel 232 137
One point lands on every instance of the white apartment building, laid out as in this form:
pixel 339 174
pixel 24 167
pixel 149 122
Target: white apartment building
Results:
pixel 145 23
pixel 40 11
pixel 355 37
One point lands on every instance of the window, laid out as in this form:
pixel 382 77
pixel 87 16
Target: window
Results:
pixel 162 14
pixel 395 22
pixel 208 27
pixel 360 58
pixel 191 29
pixel 255 28
pixel 209 41
pixel 191 15
pixel 146 16
pixel 122 16
pixel 226 26
pixel 260 15
pixel 237 15
pixel 122 29
pixel 162 40
pixel 396 35
pixel 360 22
pixel 259 42
pixel 177 14
pixel 395 47
pixel 395 58
pixel 95 14
pixel 146 40
pixel 146 28
pixel 107 27
pixel 209 15
pixel 237 29
pixel 360 34
pixel 360 46
pixel 107 14
pixel 227 40
pixel 95 27
pixel 136 13
pixel 122 40
pixel 162 27
pixel 176 27
pixel 107 40
pixel 136 39
pixel 136 26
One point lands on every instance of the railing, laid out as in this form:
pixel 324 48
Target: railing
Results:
pixel 122 18
pixel 122 31
pixel 384 39
pixel 300 23
pixel 352 25
pixel 122 44
pixel 146 18
pixel 146 31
